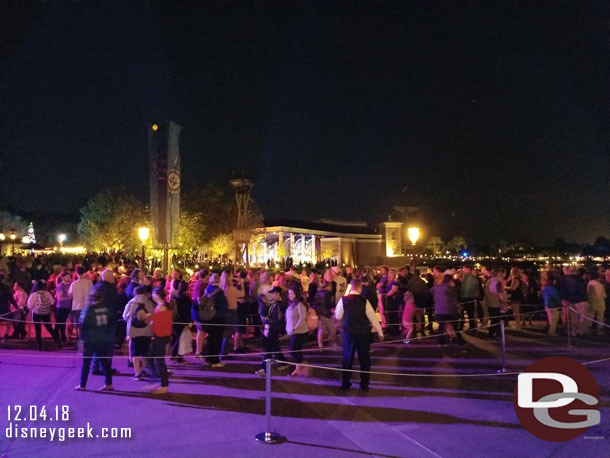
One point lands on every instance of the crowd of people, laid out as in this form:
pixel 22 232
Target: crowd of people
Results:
pixel 104 305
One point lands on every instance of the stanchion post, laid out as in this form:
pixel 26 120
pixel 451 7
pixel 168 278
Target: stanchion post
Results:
pixel 268 437
pixel 476 318
pixel 569 327
pixel 503 347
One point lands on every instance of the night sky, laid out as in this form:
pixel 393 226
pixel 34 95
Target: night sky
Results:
pixel 494 119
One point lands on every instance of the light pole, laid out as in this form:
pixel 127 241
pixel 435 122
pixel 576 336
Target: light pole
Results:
pixel 2 238
pixel 413 233
pixel 143 233
pixel 12 235
pixel 62 239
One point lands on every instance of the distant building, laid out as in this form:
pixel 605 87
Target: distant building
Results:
pixel 350 243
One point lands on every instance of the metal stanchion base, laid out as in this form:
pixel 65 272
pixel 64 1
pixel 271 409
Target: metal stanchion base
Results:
pixel 268 438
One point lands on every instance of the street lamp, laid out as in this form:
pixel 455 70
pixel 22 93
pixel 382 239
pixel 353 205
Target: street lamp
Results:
pixel 62 239
pixel 413 234
pixel 143 233
pixel 2 238
pixel 13 235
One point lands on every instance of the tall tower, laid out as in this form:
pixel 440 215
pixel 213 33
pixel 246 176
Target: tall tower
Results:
pixel 164 159
pixel 243 187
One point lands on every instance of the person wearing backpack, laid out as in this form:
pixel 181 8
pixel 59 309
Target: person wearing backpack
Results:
pixel 137 315
pixel 212 312
pixel 41 303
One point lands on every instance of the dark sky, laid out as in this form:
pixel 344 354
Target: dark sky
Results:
pixel 493 116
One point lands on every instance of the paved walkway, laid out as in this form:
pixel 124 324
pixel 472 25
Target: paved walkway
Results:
pixel 217 412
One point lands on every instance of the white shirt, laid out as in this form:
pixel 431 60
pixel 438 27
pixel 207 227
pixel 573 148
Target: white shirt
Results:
pixel 370 314
pixel 341 287
pixel 79 290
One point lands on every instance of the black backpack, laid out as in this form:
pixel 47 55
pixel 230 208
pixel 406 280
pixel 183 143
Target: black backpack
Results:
pixel 135 321
pixel 207 306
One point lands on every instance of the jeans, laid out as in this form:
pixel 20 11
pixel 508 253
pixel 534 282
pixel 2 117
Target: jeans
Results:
pixel 296 345
pixel 227 333
pixel 214 341
pixel 271 346
pixel 61 316
pixel 158 353
pixel 176 332
pixel 494 315
pixel 100 350
pixel 353 343
pixel 47 324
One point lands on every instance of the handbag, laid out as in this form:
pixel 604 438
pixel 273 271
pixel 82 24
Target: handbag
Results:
pixel 312 319
pixel 185 344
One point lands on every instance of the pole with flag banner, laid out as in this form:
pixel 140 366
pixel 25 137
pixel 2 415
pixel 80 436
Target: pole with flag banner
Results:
pixel 164 160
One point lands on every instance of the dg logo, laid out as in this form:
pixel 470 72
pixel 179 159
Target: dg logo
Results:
pixel 557 399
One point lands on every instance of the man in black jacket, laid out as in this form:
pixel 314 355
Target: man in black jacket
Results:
pixel 358 318
pixel 109 296
pixel 271 317
pixel 97 321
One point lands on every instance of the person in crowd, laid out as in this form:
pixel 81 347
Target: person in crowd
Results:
pixel 552 302
pixel 6 300
pixel 161 327
pixel 304 278
pixel 573 292
pixel 391 303
pixel 64 304
pixel 323 304
pixel 340 283
pixel 41 303
pixel 79 290
pixel 20 315
pixel 446 309
pixel 514 290
pixel 419 289
pixel 107 293
pixel 495 298
pixel 97 334
pixel 253 318
pixel 271 316
pixel 296 328
pixel 412 316
pixel 241 313
pixel 137 314
pixel 597 302
pixel 469 294
pixel 180 304
pixel 214 327
pixel 233 289
pixel 136 280
pixel 199 290
pixel 358 318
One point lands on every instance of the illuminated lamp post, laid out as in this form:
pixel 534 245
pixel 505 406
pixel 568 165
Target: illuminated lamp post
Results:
pixel 12 235
pixel 413 233
pixel 62 239
pixel 143 233
pixel 2 238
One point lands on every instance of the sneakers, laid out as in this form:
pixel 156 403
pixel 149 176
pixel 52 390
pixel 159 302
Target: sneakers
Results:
pixel 160 390
pixel 137 377
pixel 345 387
pixel 107 388
pixel 80 388
pixel 406 341
pixel 260 372
pixel 219 365
pixel 200 356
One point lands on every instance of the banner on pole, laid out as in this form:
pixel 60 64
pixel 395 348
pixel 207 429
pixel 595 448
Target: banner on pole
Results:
pixel 164 160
